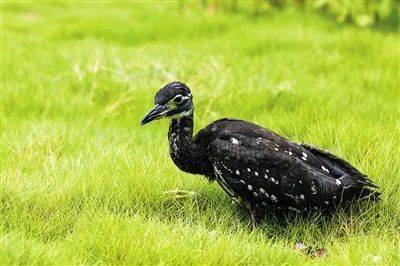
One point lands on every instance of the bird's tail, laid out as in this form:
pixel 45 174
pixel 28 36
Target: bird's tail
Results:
pixel 358 187
pixel 355 184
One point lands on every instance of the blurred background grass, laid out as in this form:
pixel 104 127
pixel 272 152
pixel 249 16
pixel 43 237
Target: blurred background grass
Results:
pixel 82 182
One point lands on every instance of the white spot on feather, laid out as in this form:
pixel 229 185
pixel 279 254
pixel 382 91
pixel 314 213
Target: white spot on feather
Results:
pixel 338 182
pixel 290 153
pixel 304 154
pixel 237 172
pixel 255 194
pixel 250 187
pixel 256 173
pixel 262 190
pixel 248 170
pixel 302 197
pixel 234 141
pixel 274 198
pixel 313 190
pixel 324 168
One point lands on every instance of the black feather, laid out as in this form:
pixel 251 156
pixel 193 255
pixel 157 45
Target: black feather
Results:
pixel 260 169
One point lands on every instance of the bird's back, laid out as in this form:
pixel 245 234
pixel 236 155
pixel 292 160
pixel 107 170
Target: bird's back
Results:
pixel 227 126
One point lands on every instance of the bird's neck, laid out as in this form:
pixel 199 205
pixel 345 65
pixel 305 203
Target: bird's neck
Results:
pixel 181 128
pixel 188 156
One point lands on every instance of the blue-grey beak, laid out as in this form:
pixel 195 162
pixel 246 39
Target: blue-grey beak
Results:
pixel 158 112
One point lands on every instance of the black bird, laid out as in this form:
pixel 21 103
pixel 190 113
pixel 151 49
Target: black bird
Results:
pixel 256 167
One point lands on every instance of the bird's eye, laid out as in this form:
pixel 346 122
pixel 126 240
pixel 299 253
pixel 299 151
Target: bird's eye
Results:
pixel 178 99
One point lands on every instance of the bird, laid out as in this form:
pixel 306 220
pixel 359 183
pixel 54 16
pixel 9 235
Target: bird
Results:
pixel 260 170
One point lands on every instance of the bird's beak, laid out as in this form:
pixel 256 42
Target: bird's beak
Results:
pixel 158 112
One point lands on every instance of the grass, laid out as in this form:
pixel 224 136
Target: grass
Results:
pixel 83 183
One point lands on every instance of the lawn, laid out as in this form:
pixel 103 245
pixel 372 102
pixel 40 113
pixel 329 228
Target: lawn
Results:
pixel 83 183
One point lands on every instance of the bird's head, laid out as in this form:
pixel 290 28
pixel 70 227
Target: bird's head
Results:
pixel 174 100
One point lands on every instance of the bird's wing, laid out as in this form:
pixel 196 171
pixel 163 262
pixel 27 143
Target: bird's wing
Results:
pixel 265 137
pixel 304 159
pixel 353 181
pixel 254 170
pixel 338 166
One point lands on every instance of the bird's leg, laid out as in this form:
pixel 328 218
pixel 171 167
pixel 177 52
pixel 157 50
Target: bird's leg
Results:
pixel 255 214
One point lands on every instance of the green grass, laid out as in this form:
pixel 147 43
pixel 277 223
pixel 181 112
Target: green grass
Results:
pixel 83 183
